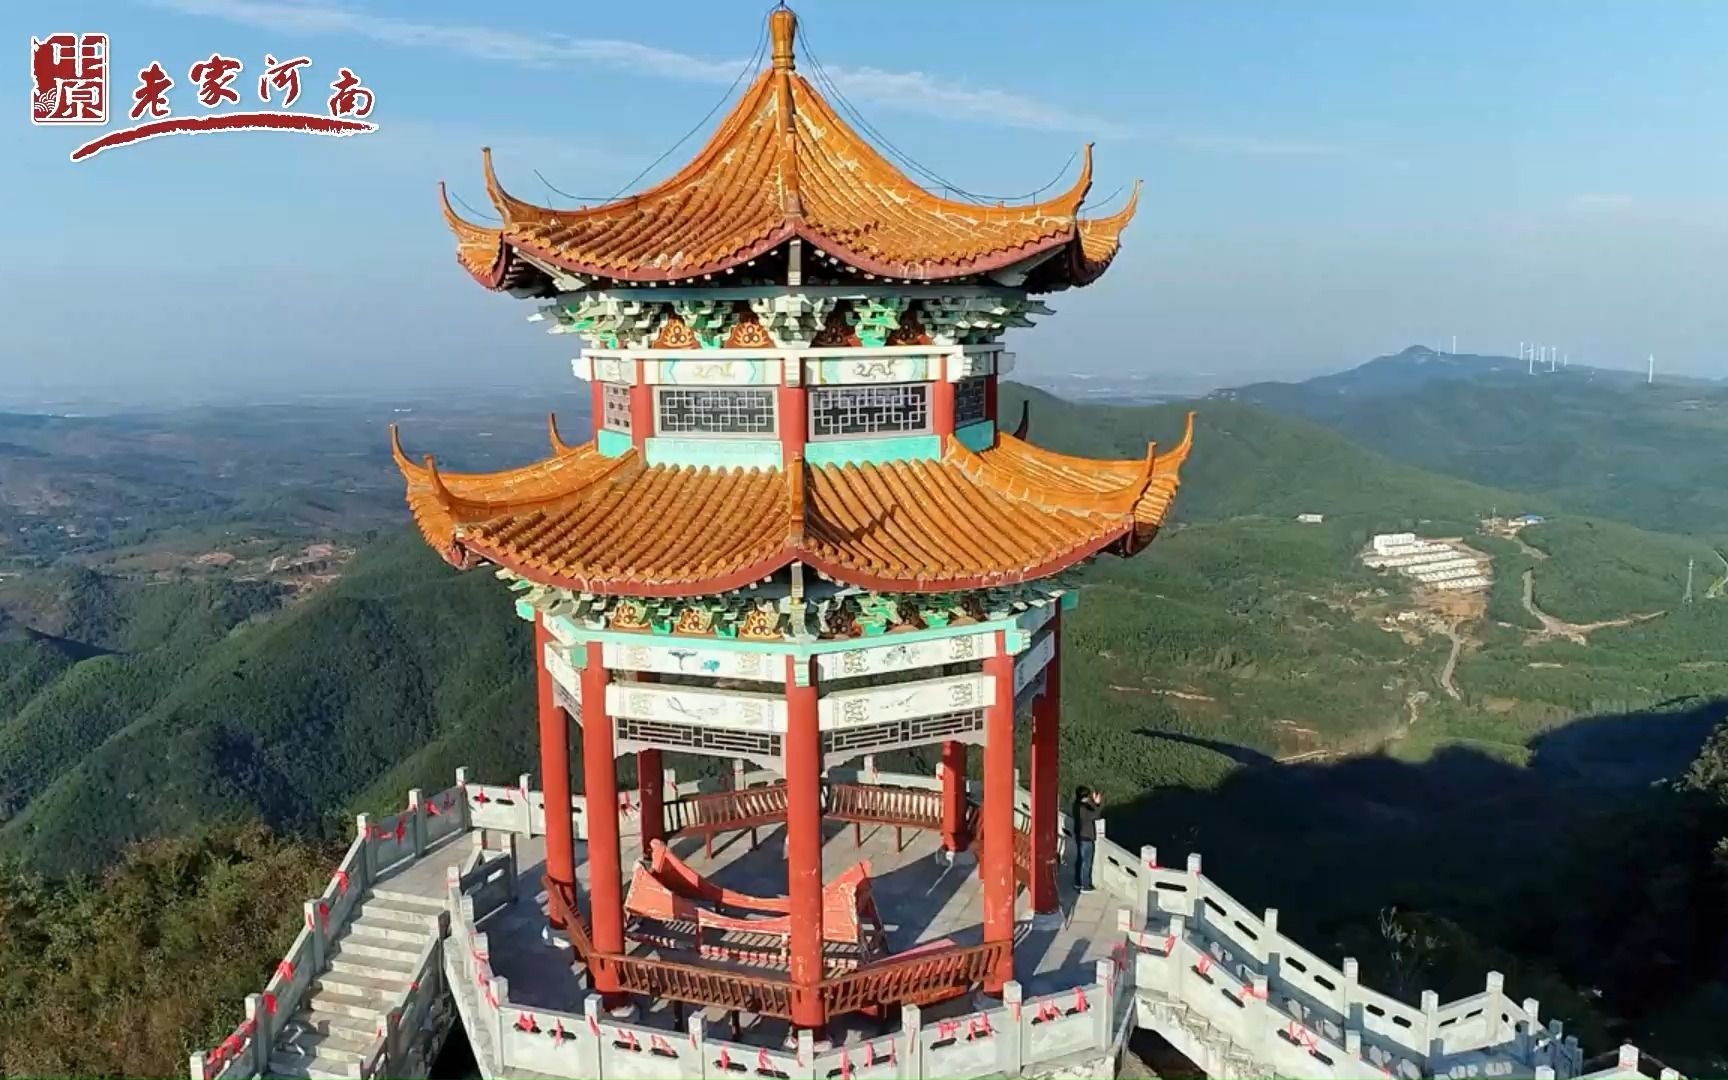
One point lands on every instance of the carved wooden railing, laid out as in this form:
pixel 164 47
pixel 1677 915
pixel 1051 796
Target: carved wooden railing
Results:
pixel 917 979
pixel 721 811
pixel 877 805
pixel 765 995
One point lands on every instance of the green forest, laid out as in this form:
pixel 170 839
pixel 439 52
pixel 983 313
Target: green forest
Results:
pixel 173 751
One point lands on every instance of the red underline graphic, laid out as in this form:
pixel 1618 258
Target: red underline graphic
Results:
pixel 241 121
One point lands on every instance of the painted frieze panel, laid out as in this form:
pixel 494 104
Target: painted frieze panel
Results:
pixel 903 701
pixel 689 660
pixel 695 705
pixel 882 659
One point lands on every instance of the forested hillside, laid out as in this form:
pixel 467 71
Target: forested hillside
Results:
pixel 1245 688
pixel 1594 442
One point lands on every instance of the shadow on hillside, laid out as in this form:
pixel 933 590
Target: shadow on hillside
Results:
pixel 1464 835
pixel 1241 755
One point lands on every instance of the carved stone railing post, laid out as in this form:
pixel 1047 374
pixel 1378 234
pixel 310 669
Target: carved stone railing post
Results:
pixel 737 774
pixel 1496 987
pixel 1104 1011
pixel 417 821
pixel 911 1059
pixel 462 807
pixel 513 868
pixel 527 813
pixel 1349 995
pixel 1178 962
pixel 1146 901
pixel 263 1034
pixel 806 1056
pixel 315 923
pixel 1011 1053
pixel 596 1036
pixel 501 1026
pixel 1432 1045
pixel 1196 893
pixel 363 829
pixel 1274 944
pixel 1261 1020
pixel 195 1066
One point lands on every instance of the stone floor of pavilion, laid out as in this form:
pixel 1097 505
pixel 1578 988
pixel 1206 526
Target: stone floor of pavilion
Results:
pixel 920 899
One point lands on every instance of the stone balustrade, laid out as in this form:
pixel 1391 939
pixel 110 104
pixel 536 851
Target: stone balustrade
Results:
pixel 1217 981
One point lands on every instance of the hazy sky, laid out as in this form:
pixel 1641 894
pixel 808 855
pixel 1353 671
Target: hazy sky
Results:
pixel 1324 181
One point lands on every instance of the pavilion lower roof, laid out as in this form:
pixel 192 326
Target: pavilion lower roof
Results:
pixel 619 526
pixel 783 165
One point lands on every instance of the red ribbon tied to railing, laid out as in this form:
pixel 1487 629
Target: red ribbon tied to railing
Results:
pixel 324 916
pixel 845 1065
pixel 977 1027
pixel 1080 1003
pixel 524 1022
pixel 480 796
pixel 401 829
pixel 270 1003
pixel 1204 964
pixel 1169 944
pixel 869 1054
pixel 947 1029
pixel 286 970
pixel 628 1038
pixel 1152 864
pixel 558 1033
pixel 432 809
pixel 593 1026
pixel 341 879
pixel 655 1042
pixel 725 1061
pixel 762 1064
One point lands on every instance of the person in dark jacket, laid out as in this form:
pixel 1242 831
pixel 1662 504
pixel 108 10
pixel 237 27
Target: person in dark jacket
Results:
pixel 1086 808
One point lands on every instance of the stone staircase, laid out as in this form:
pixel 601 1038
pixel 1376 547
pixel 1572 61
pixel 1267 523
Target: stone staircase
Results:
pixel 367 967
pixel 1211 1049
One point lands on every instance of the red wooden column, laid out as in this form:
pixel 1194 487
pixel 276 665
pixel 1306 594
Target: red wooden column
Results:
pixel 942 404
pixel 804 842
pixel 641 409
pixel 1046 725
pixel 794 424
pixel 954 796
pixel 997 818
pixel 600 785
pixel 554 767
pixel 650 780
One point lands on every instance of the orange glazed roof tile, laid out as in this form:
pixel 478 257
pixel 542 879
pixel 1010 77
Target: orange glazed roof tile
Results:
pixel 783 164
pixel 618 526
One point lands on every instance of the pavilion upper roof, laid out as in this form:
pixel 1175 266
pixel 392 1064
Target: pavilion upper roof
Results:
pixel 619 526
pixel 781 165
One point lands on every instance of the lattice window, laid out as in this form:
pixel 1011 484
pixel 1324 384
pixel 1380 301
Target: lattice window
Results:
pixel 681 411
pixel 839 412
pixel 969 398
pixel 875 738
pixel 615 406
pixel 698 738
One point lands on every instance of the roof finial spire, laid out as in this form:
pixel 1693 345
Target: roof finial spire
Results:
pixel 783 28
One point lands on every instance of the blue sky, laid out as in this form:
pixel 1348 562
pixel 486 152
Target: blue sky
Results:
pixel 1324 181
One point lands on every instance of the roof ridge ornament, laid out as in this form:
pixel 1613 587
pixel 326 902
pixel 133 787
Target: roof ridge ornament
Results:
pixel 783 30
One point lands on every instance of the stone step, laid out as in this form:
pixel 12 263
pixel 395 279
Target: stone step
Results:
pixel 340 1045
pixel 414 936
pixel 404 898
pixel 347 982
pixel 375 967
pixel 360 1004
pixel 293 1068
pixel 361 941
pixel 381 909
pixel 351 1028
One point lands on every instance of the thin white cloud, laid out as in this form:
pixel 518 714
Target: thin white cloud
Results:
pixel 1254 146
pixel 912 91
pixel 1600 202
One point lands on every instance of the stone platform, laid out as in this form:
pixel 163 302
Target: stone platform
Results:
pixel 921 898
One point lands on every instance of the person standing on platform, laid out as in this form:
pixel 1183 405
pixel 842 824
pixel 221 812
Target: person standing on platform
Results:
pixel 1086 808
